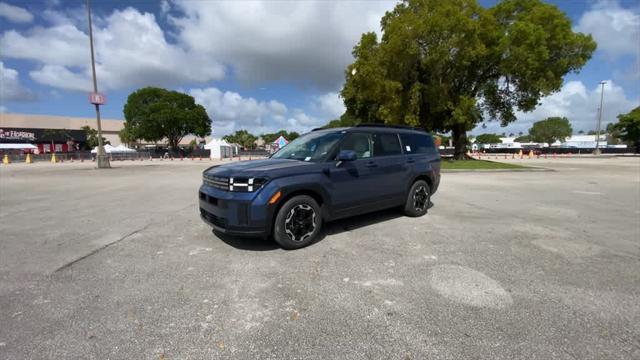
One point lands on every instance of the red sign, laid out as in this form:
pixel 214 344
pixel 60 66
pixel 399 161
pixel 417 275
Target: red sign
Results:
pixel 97 98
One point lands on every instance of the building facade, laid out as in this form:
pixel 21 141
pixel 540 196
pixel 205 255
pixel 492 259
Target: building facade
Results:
pixel 62 133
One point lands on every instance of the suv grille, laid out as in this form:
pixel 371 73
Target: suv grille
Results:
pixel 237 184
pixel 221 183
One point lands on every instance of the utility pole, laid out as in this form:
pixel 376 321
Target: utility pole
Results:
pixel 96 99
pixel 597 150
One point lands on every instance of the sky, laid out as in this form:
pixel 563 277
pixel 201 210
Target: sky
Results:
pixel 261 66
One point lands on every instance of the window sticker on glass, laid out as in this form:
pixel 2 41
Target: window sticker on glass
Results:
pixel 408 148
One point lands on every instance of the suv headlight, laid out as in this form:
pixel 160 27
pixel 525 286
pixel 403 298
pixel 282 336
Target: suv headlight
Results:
pixel 244 184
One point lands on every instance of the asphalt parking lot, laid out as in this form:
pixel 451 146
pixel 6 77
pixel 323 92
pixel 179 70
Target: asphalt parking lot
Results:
pixel 116 264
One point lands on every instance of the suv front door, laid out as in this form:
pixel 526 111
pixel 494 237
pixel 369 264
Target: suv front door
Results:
pixel 354 183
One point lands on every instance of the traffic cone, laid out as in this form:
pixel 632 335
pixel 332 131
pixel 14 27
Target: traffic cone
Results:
pixel 5 159
pixel 53 158
pixel 28 160
pixel 530 154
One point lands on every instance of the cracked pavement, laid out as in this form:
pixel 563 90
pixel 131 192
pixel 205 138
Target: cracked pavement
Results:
pixel 116 264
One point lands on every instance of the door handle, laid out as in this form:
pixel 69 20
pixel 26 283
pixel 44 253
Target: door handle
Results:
pixel 371 164
pixel 410 161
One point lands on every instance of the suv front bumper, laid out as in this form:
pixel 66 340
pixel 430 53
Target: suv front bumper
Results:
pixel 236 213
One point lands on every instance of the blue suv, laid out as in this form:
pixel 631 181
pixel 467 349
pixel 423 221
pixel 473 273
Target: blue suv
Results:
pixel 321 176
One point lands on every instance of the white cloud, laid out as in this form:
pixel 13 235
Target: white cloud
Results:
pixel 615 29
pixel 15 14
pixel 230 112
pixel 60 76
pixel 130 49
pixel 574 101
pixel 164 6
pixel 307 42
pixel 329 105
pixel 57 45
pixel 10 87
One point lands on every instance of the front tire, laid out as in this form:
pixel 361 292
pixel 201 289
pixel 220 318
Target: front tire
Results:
pixel 297 223
pixel 418 199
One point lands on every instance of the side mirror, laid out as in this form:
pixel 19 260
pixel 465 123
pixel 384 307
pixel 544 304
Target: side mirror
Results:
pixel 345 155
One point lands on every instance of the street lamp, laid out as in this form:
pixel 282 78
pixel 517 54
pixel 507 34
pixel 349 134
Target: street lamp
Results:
pixel 96 98
pixel 597 150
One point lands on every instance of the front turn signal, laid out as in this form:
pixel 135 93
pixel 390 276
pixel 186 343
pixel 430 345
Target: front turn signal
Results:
pixel 275 198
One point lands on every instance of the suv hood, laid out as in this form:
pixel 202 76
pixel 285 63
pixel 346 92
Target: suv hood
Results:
pixel 267 167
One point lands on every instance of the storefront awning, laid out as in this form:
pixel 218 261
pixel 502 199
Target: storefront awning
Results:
pixel 18 146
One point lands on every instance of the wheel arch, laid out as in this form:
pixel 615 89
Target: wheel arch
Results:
pixel 288 194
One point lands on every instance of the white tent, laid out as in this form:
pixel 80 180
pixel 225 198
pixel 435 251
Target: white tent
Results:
pixel 123 149
pixel 107 149
pixel 18 146
pixel 114 149
pixel 219 148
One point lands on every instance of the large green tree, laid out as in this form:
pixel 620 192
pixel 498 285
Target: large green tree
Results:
pixel 628 127
pixel 242 138
pixel 92 137
pixel 449 65
pixel 126 136
pixel 551 129
pixel 153 114
pixel 488 139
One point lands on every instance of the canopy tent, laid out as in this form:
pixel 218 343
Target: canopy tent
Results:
pixel 219 148
pixel 123 149
pixel 18 146
pixel 113 149
pixel 280 141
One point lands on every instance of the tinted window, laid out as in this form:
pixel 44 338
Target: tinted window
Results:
pixel 358 142
pixel 314 146
pixel 416 143
pixel 386 144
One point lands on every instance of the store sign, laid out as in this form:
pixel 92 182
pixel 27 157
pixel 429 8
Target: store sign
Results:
pixel 8 134
pixel 97 98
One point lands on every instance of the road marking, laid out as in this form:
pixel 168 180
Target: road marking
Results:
pixel 587 192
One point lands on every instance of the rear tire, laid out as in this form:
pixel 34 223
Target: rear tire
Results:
pixel 418 199
pixel 297 223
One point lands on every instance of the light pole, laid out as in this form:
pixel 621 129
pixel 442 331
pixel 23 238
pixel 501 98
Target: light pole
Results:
pixel 96 98
pixel 597 150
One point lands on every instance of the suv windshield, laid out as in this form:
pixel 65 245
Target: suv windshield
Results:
pixel 314 146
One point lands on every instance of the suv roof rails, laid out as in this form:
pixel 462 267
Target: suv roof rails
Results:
pixel 393 126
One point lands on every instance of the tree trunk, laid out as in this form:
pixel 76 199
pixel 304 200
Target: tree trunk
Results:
pixel 459 135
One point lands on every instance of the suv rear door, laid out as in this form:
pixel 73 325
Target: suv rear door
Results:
pixel 422 155
pixel 389 168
